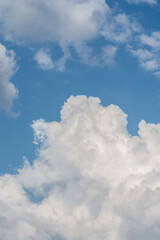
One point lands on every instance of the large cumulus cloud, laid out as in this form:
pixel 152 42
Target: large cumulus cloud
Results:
pixel 91 179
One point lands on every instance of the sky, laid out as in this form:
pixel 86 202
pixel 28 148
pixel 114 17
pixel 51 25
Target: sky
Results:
pixel 79 119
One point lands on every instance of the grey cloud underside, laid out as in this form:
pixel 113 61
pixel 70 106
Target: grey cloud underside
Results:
pixel 91 180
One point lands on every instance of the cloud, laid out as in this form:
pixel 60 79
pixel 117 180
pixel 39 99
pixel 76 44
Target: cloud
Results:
pixel 120 28
pixel 147 59
pixel 91 179
pixel 44 59
pixel 105 56
pixel 8 92
pixel 150 2
pixel 72 24
pixel 152 41
pixel 147 51
pixel 61 21
pixel 64 22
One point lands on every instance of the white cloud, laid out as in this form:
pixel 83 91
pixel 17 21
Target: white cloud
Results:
pixel 150 2
pixel 62 20
pixel 147 59
pixel 44 59
pixel 8 91
pixel 147 51
pixel 65 22
pixel 120 28
pixel 152 41
pixel 91 180
pixel 72 23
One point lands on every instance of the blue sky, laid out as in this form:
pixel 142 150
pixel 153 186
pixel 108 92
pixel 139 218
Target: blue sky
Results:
pixel 51 50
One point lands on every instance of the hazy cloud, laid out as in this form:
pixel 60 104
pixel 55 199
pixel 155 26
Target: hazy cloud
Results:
pixel 120 28
pixel 147 51
pixel 70 24
pixel 152 40
pixel 150 2
pixel 147 59
pixel 105 56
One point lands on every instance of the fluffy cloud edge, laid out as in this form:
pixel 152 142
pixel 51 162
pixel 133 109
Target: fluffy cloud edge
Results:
pixel 91 179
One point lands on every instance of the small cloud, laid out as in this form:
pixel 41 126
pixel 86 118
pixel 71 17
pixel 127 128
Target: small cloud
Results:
pixel 43 58
pixel 147 51
pixel 108 54
pixel 152 40
pixel 157 74
pixel 120 28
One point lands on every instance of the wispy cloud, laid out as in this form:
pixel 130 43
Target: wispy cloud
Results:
pixel 69 21
pixel 120 28
pixel 147 51
pixel 152 40
pixel 150 2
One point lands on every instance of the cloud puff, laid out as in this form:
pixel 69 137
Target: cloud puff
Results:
pixel 150 2
pixel 44 59
pixel 91 179
pixel 118 29
pixel 8 92
pixel 68 23
pixel 152 41
pixel 147 59
pixel 148 51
